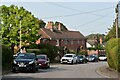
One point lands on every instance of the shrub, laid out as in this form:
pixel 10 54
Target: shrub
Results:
pixel 82 52
pixel 49 50
pixel 7 57
pixel 113 53
pixel 72 51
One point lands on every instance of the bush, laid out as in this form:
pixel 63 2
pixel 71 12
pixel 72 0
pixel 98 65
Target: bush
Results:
pixel 7 57
pixel 49 50
pixel 82 52
pixel 113 53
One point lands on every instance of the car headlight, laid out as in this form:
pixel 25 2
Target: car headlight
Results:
pixel 31 62
pixel 70 60
pixel 14 62
pixel 81 59
pixel 93 58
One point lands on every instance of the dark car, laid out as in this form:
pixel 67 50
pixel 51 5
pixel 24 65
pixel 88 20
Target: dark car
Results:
pixel 92 58
pixel 25 62
pixel 81 59
pixel 43 61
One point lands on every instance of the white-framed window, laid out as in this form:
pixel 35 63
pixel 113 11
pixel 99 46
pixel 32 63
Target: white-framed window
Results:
pixel 57 42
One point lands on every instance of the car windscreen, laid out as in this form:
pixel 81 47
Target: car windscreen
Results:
pixel 102 56
pixel 68 56
pixel 80 57
pixel 25 56
pixel 91 56
pixel 41 57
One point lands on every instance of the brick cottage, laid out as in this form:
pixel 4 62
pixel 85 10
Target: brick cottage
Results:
pixel 57 36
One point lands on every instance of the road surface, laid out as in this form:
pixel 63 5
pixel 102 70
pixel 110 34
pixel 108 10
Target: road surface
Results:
pixel 88 70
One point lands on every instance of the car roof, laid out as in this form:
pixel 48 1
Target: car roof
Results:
pixel 41 55
pixel 28 53
pixel 69 54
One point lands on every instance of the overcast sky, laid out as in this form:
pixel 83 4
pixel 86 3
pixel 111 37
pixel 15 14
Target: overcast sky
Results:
pixel 86 17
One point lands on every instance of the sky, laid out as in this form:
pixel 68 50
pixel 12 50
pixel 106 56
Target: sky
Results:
pixel 88 17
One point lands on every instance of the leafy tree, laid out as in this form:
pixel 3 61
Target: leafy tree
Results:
pixel 112 32
pixel 10 18
pixel 93 36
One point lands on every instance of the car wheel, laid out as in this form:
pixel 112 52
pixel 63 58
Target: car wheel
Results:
pixel 48 65
pixel 34 69
pixel 85 61
pixel 13 70
pixel 72 62
pixel 76 62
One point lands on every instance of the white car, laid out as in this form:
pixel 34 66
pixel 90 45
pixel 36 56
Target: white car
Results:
pixel 102 57
pixel 69 58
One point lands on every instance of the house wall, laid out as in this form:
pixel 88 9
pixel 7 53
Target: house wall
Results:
pixel 70 44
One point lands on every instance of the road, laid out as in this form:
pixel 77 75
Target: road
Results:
pixel 64 71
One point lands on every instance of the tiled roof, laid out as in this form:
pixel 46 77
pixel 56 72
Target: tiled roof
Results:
pixel 47 33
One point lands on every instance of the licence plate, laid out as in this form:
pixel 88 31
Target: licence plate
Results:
pixel 22 65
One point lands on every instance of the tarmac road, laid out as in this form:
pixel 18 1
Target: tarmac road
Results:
pixel 62 71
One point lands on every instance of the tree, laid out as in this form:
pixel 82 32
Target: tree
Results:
pixel 10 18
pixel 112 32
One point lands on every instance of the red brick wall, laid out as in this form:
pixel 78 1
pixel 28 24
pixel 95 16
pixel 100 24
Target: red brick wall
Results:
pixel 70 46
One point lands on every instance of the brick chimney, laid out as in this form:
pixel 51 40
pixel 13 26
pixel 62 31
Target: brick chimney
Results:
pixel 59 26
pixel 50 25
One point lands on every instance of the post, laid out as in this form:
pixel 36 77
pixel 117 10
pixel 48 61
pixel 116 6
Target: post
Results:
pixel 116 21
pixel 20 36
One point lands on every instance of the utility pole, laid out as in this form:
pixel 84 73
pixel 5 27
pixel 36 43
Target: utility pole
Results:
pixel 116 21
pixel 20 36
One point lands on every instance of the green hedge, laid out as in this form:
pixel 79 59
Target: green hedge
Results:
pixel 113 53
pixel 7 57
pixel 49 50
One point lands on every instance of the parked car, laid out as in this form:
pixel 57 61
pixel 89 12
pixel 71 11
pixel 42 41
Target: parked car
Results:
pixel 69 58
pixel 15 55
pixel 81 59
pixel 102 57
pixel 25 62
pixel 43 61
pixel 92 58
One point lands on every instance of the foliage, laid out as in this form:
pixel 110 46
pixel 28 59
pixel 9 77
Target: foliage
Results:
pixel 72 51
pixel 113 53
pixel 7 57
pixel 82 52
pixel 32 46
pixel 10 18
pixel 93 36
pixel 49 50
pixel 112 32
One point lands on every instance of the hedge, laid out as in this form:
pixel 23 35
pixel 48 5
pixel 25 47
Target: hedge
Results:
pixel 113 53
pixel 7 57
pixel 49 50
